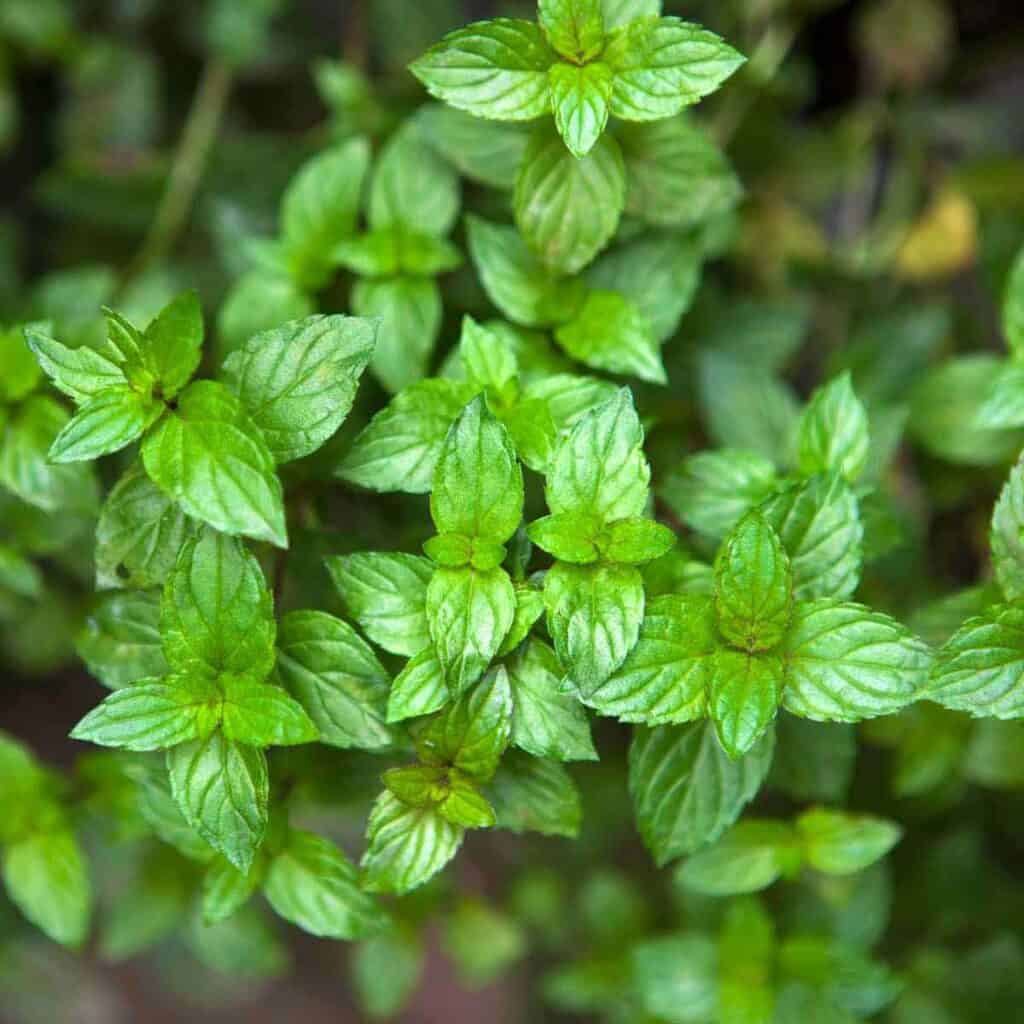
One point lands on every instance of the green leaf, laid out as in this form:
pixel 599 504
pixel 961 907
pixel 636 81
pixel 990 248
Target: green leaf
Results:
pixel 618 12
pixel 173 342
pixel 819 523
pixel 568 536
pixel 611 333
pixel 312 884
pixel 210 457
pixel 580 99
pixel 469 613
pixel 575 28
pixel 834 431
pixel 686 791
pixel 25 470
pixel 46 878
pixel 331 671
pixel 677 977
pixel 464 804
pixel 495 69
pixel 226 889
pixel 662 65
pixel 153 714
pixel 1007 536
pixel 1013 305
pixel 23 369
pixel 515 279
pixel 419 688
pixel 472 733
pixel 222 789
pixel 711 491
pixel 120 642
pixel 320 208
pixel 413 187
pixel 258 301
pixel 105 424
pixel 529 608
pixel 483 943
pixel 409 309
pixel 545 721
pixel 386 592
pixel 407 845
pixel 837 843
pixel 217 614
pixel 139 533
pixel 297 382
pixel 667 674
pixel 599 468
pixel 395 250
pixel 845 663
pixel 753 585
pixel 1004 405
pixel 490 364
pixel 747 957
pixel 261 715
pixel 748 858
pixel 744 697
pixel 386 970
pixel 845 976
pixel 567 208
pixel 478 484
pixel 594 617
pixel 19 575
pixel 81 373
pixel 399 448
pixel 980 669
pixel 534 795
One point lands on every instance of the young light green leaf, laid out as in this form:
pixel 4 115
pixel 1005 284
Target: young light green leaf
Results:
pixel 744 697
pixel 120 642
pixel 495 69
pixel 210 457
pixel 834 431
pixel 611 333
pixel 618 12
pixel 529 608
pixel 662 65
pixel 594 617
pixel 490 364
pixel 575 28
pixel 546 722
pixel 567 207
pixel 104 424
pixel 261 715
pixel 748 858
pixel 173 342
pixel 845 663
pixel 753 585
pixel 226 889
pixel 46 878
pixel 419 688
pixel 580 99
pixel 297 382
pixel 386 592
pixel 407 845
pixel 217 615
pixel 312 884
pixel 567 536
pixel 154 714
pixel 469 613
pixel 222 789
pixel 1004 405
pixel 685 790
pixel 81 373
pixel 1007 536
pixel 837 843
pixel 667 674
pixel 533 795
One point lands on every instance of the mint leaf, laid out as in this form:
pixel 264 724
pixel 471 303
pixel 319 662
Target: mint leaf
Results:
pixel 478 484
pixel 120 642
pixel 331 671
pixel 173 342
pixel 407 845
pixel 611 333
pixel 396 250
pixel 594 616
pixel 312 884
pixel 677 977
pixel 568 536
pixel 399 448
pixel 580 100
pixel 662 65
pixel 837 843
pixel 104 424
pixel 495 69
pixel 469 612
pixel 1004 404
pixel 46 878
pixel 1013 305
pixel 81 373
pixel 529 608
pixel 217 615
pixel 409 309
pixel 1007 538
pixel 385 592
pixel 748 858
pixel 845 663
pixel 753 585
pixel 515 279
pixel 744 697
pixel 261 715
pixel 210 457
pixel 23 369
pixel 686 791
pixel 667 674
pixel 259 301
pixel 489 363
pixel 618 12
pixel 575 28
pixel 419 688
pixel 222 790
pixel 533 795
pixel 226 889
pixel 298 381
pixel 545 721
pixel 153 714
pixel 567 208
pixel 139 533
pixel 386 971
pixel 834 431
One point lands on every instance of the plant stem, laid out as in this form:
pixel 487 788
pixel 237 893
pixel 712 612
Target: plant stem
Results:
pixel 190 160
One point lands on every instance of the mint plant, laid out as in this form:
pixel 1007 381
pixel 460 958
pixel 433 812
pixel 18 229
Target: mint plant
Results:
pixel 557 510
